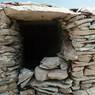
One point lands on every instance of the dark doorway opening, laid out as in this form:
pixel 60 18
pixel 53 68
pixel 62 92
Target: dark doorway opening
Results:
pixel 39 40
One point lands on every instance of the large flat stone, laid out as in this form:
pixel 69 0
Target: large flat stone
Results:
pixel 50 62
pixel 57 74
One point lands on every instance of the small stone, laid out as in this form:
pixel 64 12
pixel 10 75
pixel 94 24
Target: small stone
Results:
pixel 88 72
pixel 92 26
pixel 50 62
pixel 82 32
pixel 63 65
pixel 3 88
pixel 83 28
pixel 5 49
pixel 67 83
pixel 79 22
pixel 27 92
pixel 78 74
pixel 80 92
pixel 77 44
pixel 68 51
pixel 41 74
pixel 77 68
pixel 86 85
pixel 84 58
pixel 77 17
pixel 91 67
pixel 89 81
pixel 57 74
pixel 84 78
pixel 91 91
pixel 24 77
pixel 76 63
pixel 76 85
pixel 54 83
pixel 66 91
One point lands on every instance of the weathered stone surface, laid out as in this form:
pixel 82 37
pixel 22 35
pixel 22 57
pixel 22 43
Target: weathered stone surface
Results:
pixel 85 86
pixel 48 90
pixel 66 91
pixel 77 74
pixel 89 72
pixel 91 67
pixel 91 91
pixel 92 26
pixel 27 92
pixel 57 74
pixel 84 58
pixel 77 44
pixel 41 74
pixel 85 52
pixel 79 22
pixel 80 92
pixel 67 83
pixel 50 62
pixel 84 78
pixel 89 81
pixel 49 83
pixel 68 50
pixel 82 63
pixel 77 68
pixel 24 77
pixel 76 17
pixel 63 65
pixel 83 33
pixel 75 87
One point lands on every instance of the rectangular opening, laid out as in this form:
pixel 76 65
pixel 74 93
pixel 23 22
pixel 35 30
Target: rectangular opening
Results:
pixel 39 40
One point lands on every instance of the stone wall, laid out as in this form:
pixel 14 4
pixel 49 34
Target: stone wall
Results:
pixel 71 72
pixel 9 56
pixel 81 29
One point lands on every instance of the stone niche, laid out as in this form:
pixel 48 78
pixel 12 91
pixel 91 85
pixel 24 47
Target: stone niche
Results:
pixel 47 57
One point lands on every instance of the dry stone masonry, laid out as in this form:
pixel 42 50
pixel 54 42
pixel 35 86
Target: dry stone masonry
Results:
pixel 81 29
pixel 9 56
pixel 71 72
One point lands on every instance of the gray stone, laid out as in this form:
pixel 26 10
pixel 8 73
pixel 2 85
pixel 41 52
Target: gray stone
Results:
pixel 78 74
pixel 88 72
pixel 92 26
pixel 57 74
pixel 84 58
pixel 77 17
pixel 66 91
pixel 27 92
pixel 41 74
pixel 49 83
pixel 24 77
pixel 86 85
pixel 50 62
pixel 80 92
pixel 77 68
pixel 63 65
pixel 91 91
pixel 79 22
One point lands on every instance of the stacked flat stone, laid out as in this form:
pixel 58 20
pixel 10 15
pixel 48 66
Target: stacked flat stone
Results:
pixel 51 77
pixel 81 30
pixel 9 56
